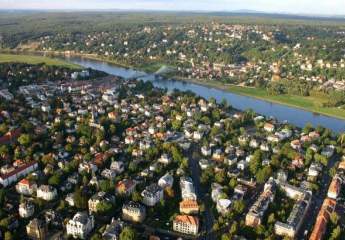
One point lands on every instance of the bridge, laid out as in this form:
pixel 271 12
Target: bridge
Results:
pixel 162 70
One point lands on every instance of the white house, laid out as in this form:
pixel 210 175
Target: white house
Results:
pixel 80 226
pixel 164 159
pixel 166 181
pixel 206 151
pixel 26 209
pixel 46 192
pixel 117 166
pixel 152 195
pixel 187 189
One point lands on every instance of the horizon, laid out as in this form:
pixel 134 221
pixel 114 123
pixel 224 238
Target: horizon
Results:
pixel 294 7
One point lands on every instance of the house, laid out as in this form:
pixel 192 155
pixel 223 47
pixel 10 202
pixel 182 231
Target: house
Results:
pixel 46 192
pixel 152 195
pixel 218 155
pixel 70 199
pixel 166 181
pixel 314 169
pixel 296 144
pixel 26 209
pixel 223 206
pixel 113 230
pixel 37 229
pixel 334 187
pixel 189 207
pixel 328 151
pixel 206 151
pixel 87 167
pixel 186 224
pixel 165 159
pixel 117 166
pixel 268 127
pixel 125 187
pixel 134 212
pixel 25 187
pixel 80 226
pixel 258 209
pixel 291 227
pixel 241 165
pixel 12 176
pixel 322 219
pixel 187 189
pixel 108 174
pixel 204 163
pixel 96 199
pixel 197 135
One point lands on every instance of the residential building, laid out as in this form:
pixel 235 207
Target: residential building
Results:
pixel 186 224
pixel 258 209
pixel 100 197
pixel 125 187
pixel 12 176
pixel 80 226
pixel 334 187
pixel 113 230
pixel 322 219
pixel 152 195
pixel 134 212
pixel 295 219
pixel 37 229
pixel 187 189
pixel 189 207
pixel 166 181
pixel 26 209
pixel 46 192
pixel 25 187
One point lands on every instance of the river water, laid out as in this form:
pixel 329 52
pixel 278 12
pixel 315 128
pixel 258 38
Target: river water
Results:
pixel 294 116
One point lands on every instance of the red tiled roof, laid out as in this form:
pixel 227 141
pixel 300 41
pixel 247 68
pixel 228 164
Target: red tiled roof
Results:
pixel 10 135
pixel 187 219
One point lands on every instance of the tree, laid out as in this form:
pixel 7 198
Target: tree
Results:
pixel 239 206
pixel 232 183
pixel 24 139
pixel 334 218
pixel 104 207
pixel 55 180
pixel 255 162
pixel 336 233
pixel 128 233
pixel 8 235
pixel 80 199
pixel 136 197
pixel 2 197
pixel 263 174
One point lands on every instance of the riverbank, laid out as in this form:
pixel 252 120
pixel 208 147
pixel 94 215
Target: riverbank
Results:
pixel 29 59
pixel 311 104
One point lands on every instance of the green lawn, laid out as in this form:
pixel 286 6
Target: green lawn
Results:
pixel 29 59
pixel 312 104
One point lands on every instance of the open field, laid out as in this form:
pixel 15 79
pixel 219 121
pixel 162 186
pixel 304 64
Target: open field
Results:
pixel 36 60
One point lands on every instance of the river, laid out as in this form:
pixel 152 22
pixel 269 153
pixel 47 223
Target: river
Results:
pixel 294 116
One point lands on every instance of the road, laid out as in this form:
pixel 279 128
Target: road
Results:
pixel 317 200
pixel 202 194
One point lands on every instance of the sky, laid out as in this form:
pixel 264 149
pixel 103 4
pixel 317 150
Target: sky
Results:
pixel 325 7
